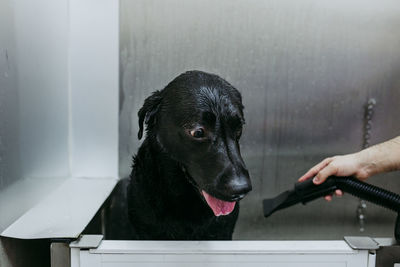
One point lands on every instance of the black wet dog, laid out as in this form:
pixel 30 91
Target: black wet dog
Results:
pixel 188 174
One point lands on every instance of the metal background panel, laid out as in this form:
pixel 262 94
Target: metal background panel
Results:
pixel 9 104
pixel 41 43
pixel 65 118
pixel 93 80
pixel 305 69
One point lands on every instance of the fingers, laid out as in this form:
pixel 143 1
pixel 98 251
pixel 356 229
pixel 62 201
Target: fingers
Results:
pixel 338 193
pixel 315 170
pixel 329 170
pixel 321 172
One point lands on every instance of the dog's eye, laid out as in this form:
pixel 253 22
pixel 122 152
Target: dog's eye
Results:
pixel 198 133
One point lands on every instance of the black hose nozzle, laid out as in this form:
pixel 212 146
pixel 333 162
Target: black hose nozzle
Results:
pixel 307 191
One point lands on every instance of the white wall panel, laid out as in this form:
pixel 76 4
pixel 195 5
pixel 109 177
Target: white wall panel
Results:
pixel 94 87
pixel 41 34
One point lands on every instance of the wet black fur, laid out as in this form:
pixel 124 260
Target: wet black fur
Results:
pixel 163 196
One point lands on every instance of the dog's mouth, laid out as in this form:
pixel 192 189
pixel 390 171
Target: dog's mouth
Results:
pixel 218 206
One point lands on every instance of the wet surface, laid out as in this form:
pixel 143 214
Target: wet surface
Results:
pixel 305 70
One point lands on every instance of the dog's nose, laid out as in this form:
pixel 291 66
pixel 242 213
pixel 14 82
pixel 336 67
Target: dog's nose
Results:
pixel 234 184
pixel 239 188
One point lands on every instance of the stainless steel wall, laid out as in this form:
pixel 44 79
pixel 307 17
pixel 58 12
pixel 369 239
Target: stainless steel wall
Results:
pixel 9 104
pixel 305 69
pixel 32 114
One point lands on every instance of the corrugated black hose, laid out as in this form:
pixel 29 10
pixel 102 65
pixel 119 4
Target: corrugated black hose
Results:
pixel 307 191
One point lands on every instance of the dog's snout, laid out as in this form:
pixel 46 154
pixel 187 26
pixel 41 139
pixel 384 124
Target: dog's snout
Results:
pixel 240 187
pixel 234 186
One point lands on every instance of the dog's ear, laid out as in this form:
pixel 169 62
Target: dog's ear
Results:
pixel 149 110
pixel 238 96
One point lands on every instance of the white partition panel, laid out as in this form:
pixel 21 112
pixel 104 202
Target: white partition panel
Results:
pixel 94 72
pixel 222 253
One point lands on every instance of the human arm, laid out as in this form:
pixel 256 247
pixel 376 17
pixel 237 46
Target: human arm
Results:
pixel 380 158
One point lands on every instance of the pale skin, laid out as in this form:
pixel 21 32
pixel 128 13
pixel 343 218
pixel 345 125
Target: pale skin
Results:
pixel 384 157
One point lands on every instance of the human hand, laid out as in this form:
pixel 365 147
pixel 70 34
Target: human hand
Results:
pixel 346 165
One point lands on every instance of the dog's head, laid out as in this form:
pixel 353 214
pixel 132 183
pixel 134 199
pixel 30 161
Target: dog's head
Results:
pixel 198 120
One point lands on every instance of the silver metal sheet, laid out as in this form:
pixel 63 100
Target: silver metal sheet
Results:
pixel 41 43
pixel 22 195
pixel 361 242
pixel 93 78
pixel 87 241
pixel 305 69
pixel 9 105
pixel 58 112
pixel 65 212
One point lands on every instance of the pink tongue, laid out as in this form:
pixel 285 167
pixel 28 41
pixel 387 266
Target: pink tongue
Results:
pixel 219 207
